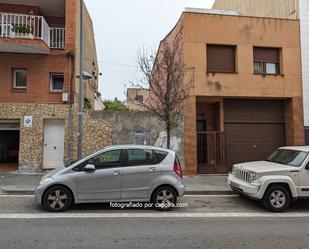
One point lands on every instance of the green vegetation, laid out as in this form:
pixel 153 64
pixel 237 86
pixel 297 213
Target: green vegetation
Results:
pixel 21 29
pixel 115 105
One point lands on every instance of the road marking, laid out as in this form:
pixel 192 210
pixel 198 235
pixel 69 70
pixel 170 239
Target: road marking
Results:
pixel 226 196
pixel 151 215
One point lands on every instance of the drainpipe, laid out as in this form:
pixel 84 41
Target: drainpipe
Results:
pixel 71 101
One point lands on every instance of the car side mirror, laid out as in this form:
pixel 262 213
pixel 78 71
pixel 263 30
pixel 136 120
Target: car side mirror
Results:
pixel 307 166
pixel 89 168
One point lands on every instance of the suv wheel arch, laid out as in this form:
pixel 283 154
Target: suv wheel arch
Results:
pixel 277 197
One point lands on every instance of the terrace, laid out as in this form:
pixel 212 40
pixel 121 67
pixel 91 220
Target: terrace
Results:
pixel 32 29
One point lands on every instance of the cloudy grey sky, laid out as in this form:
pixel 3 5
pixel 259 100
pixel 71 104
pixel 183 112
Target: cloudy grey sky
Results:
pixel 122 27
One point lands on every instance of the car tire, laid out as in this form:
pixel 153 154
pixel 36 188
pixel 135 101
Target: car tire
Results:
pixel 277 198
pixel 57 199
pixel 164 198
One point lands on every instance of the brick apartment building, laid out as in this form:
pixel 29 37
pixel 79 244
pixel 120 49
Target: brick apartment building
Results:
pixel 247 95
pixel 39 61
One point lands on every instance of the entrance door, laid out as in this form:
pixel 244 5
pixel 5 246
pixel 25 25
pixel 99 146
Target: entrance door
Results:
pixel 53 143
pixel 9 145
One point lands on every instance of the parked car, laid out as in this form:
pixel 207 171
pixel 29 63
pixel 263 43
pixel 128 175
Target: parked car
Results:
pixel 282 178
pixel 122 173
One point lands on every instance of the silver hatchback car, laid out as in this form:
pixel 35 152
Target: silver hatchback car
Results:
pixel 119 173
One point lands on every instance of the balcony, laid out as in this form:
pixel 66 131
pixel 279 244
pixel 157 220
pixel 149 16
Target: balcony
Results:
pixel 20 33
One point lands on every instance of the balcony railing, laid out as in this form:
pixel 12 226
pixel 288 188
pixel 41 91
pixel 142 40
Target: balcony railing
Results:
pixel 31 27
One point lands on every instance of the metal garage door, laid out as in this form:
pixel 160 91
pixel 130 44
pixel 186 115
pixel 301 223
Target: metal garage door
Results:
pixel 253 128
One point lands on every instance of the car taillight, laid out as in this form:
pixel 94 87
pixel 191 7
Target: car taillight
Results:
pixel 177 170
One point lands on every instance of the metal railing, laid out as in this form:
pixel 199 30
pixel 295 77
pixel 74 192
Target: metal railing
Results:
pixel 30 27
pixel 210 148
pixel 57 38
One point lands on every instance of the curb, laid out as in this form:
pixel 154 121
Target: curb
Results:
pixel 10 190
pixel 210 192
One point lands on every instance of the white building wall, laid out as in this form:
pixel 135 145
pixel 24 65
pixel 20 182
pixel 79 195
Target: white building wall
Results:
pixel 304 27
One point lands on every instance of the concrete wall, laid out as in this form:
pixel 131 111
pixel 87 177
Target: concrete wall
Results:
pixel 123 123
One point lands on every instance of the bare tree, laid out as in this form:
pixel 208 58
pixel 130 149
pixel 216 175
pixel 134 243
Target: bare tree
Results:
pixel 163 73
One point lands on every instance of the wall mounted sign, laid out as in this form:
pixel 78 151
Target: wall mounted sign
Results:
pixel 28 121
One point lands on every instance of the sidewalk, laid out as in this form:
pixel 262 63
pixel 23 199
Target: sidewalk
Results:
pixel 23 184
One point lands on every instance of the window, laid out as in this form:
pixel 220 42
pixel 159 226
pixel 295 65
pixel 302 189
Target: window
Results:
pixel 106 159
pixel 139 98
pixel 266 60
pixel 160 155
pixel 221 59
pixel 293 158
pixel 201 125
pixel 140 157
pixel 20 78
pixel 56 81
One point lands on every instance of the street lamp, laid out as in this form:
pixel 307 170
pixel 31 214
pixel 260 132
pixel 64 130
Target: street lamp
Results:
pixel 86 76
pixel 81 85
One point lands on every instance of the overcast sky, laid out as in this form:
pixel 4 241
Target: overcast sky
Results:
pixel 124 26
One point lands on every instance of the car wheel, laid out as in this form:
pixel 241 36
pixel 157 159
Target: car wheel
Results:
pixel 164 198
pixel 57 199
pixel 276 198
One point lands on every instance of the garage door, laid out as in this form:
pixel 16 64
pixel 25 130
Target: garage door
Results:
pixel 253 128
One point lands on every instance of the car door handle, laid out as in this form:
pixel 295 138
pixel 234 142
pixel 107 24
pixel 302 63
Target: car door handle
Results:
pixel 116 172
pixel 152 169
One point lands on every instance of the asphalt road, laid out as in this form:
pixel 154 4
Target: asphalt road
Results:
pixel 208 222
pixel 247 233
pixel 193 204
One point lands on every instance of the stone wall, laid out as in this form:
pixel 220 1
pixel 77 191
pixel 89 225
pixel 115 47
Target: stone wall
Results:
pixel 97 134
pixel 124 123
pixel 31 145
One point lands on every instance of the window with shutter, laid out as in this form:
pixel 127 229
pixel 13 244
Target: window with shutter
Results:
pixel 266 60
pixel 221 59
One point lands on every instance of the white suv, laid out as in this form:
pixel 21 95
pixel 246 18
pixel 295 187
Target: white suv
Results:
pixel 282 178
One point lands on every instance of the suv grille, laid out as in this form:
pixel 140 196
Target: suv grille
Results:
pixel 242 175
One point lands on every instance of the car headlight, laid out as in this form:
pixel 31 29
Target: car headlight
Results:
pixel 233 170
pixel 252 177
pixel 46 180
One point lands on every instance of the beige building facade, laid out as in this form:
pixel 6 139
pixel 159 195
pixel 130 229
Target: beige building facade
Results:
pixel 136 97
pixel 288 9
pixel 247 98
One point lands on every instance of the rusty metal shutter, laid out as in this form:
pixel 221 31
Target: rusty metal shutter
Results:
pixel 221 58
pixel 270 55
pixel 253 128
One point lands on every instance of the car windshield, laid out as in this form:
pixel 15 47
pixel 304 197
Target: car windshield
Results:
pixel 293 158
